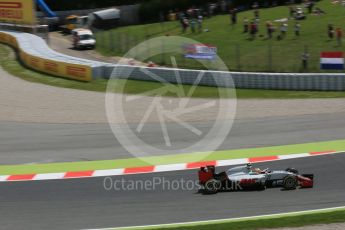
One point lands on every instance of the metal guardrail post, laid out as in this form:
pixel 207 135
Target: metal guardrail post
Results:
pixel 111 41
pixel 238 56
pixel 162 51
pixel 270 57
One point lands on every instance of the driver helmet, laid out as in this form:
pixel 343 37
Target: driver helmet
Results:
pixel 249 166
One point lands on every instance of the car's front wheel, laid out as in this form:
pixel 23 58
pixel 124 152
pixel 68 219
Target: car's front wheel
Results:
pixel 290 183
pixel 212 186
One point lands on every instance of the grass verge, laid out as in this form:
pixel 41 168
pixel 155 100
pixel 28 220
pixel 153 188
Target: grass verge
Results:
pixel 11 65
pixel 297 219
pixel 234 47
pixel 172 159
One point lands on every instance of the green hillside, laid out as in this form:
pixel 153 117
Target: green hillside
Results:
pixel 238 51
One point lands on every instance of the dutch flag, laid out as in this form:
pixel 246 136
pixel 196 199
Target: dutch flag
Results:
pixel 332 60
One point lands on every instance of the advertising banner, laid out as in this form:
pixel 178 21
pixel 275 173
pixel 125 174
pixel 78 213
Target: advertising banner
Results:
pixel 8 39
pixel 61 69
pixel 18 11
pixel 57 68
pixel 200 51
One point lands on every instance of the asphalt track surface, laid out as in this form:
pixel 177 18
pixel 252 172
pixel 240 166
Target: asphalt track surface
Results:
pixel 23 143
pixel 84 203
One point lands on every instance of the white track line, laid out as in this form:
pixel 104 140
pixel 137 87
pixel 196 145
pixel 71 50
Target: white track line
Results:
pixel 155 169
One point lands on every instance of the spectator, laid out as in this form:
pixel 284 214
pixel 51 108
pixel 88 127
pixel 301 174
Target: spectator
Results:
pixel 185 25
pixel 292 11
pixel 253 30
pixel 181 16
pixel 192 25
pixel 269 27
pixel 211 8
pixel 256 14
pixel 299 14
pixel 223 6
pixel 233 15
pixel 161 17
pixel 297 29
pixel 190 12
pixel 305 59
pixel 339 35
pixel 245 25
pixel 330 31
pixel 181 19
pixel 310 5
pixel 318 11
pixel 171 16
pixel 200 19
pixel 283 30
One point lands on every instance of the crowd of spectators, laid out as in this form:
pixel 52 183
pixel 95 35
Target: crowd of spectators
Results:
pixel 275 29
pixel 280 27
pixel 192 18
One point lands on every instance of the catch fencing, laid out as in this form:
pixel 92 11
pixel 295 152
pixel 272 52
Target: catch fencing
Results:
pixel 266 56
pixel 36 54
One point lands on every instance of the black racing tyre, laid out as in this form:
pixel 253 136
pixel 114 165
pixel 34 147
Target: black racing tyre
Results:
pixel 290 183
pixel 212 186
pixel 292 170
pixel 261 187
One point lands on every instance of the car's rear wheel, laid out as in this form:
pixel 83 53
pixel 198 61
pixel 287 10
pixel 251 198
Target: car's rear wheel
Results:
pixel 212 186
pixel 290 183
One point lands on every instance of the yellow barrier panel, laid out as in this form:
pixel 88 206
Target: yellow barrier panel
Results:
pixel 18 11
pixel 68 70
pixel 57 68
pixel 8 39
pixel 61 69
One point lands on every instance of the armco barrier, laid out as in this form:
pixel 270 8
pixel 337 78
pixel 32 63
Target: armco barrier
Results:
pixel 282 81
pixel 36 54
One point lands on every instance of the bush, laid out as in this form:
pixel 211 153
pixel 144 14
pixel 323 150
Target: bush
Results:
pixel 150 9
pixel 86 4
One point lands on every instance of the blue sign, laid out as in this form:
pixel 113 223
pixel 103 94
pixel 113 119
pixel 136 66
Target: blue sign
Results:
pixel 200 51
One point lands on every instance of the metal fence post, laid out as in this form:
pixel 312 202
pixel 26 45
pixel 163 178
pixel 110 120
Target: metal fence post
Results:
pixel 122 43
pixel 270 57
pixel 135 40
pixel 127 37
pixel 306 51
pixel 132 45
pixel 103 39
pixel 238 56
pixel 118 44
pixel 111 41
pixel 162 51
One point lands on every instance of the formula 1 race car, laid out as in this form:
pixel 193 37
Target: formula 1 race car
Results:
pixel 248 178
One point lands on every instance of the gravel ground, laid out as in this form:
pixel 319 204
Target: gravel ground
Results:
pixel 30 102
pixel 246 109
pixel 23 101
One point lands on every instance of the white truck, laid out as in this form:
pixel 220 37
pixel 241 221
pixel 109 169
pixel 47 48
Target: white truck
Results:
pixel 83 38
